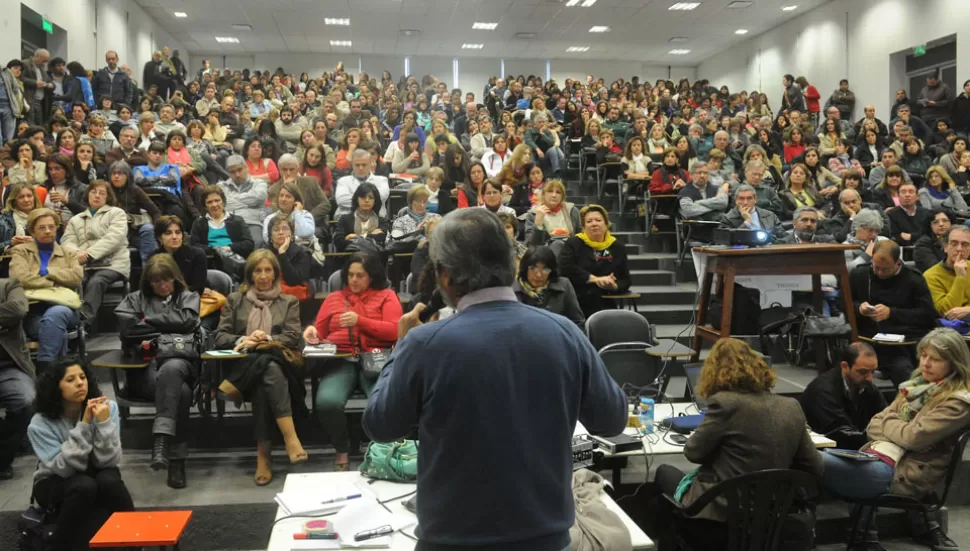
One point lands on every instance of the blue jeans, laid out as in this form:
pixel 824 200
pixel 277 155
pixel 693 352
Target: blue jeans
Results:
pixel 855 479
pixel 145 241
pixel 556 158
pixel 48 324
pixel 8 122
pixel 17 392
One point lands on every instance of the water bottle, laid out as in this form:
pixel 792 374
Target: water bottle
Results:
pixel 646 415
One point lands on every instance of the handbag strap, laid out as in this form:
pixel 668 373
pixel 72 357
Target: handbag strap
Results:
pixel 350 331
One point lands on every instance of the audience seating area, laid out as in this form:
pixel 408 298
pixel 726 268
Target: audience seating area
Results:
pixel 651 154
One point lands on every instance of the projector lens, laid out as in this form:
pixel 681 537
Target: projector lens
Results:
pixel 762 236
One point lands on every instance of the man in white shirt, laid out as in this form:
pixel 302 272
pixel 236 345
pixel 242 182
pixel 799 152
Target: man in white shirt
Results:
pixel 346 186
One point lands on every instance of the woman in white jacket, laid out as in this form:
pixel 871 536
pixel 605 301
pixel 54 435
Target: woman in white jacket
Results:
pixel 495 158
pixel 99 234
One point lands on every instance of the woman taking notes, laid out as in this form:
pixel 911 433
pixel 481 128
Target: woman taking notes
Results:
pixel 914 437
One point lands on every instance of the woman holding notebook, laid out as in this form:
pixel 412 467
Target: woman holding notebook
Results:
pixel 912 440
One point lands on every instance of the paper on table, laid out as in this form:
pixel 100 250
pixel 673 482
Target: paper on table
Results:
pixel 363 515
pixel 302 502
pixel 889 337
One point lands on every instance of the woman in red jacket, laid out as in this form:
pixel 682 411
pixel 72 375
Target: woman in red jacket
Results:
pixel 670 177
pixel 812 98
pixel 362 316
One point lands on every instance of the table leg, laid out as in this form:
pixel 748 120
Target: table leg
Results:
pixel 702 312
pixel 847 305
pixel 817 304
pixel 727 287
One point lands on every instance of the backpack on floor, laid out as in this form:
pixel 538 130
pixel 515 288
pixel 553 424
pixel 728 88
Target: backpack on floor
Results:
pixel 36 531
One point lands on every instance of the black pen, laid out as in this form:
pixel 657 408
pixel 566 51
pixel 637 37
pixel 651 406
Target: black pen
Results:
pixel 371 534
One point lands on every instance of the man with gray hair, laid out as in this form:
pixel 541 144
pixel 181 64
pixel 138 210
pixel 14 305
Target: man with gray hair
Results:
pixel 947 280
pixel 747 215
pixel 768 198
pixel 700 199
pixel 732 163
pixel 245 197
pixel 805 228
pixel 545 144
pixel 865 228
pixel 466 398
pixel 38 86
pixel 363 171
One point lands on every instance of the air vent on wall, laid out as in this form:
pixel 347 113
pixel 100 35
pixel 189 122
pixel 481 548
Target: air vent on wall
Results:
pixel 242 26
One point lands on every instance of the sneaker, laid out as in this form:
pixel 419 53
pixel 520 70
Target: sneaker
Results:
pixel 937 540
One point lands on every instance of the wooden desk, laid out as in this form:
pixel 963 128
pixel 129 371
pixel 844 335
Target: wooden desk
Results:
pixel 808 259
pixel 669 348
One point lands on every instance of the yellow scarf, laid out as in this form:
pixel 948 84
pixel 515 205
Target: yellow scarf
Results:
pixel 597 245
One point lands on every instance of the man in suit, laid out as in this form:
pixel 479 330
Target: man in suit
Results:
pixel 840 402
pixel 16 374
pixel 909 219
pixel 747 215
pixel 37 86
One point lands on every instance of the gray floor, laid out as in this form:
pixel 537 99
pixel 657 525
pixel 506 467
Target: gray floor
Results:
pixel 226 477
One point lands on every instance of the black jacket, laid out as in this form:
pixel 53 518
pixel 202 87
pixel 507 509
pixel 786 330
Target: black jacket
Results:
pixel 561 300
pixel 840 227
pixel 345 227
pixel 904 223
pixel 192 263
pixel 295 264
pixel 960 113
pixel 577 261
pixel 831 410
pixel 242 240
pixel 928 252
pixel 119 88
pixel 912 312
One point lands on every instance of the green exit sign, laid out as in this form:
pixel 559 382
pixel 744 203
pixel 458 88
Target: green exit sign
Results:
pixel 919 50
pixel 48 26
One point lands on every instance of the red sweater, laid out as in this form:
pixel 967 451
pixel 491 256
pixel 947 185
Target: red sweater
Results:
pixel 377 315
pixel 662 180
pixel 811 98
pixel 792 151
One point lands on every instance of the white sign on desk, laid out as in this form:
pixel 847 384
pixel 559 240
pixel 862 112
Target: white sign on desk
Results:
pixel 773 288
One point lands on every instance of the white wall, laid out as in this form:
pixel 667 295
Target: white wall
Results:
pixel 93 27
pixel 851 39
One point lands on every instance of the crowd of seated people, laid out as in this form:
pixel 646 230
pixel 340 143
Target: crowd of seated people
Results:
pixel 269 174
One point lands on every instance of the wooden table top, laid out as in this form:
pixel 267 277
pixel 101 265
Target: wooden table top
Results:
pixel 801 248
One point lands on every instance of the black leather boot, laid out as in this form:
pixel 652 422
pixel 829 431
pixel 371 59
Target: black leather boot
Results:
pixel 160 452
pixel 176 474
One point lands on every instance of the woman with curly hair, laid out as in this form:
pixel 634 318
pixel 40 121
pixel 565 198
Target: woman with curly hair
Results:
pixel 746 428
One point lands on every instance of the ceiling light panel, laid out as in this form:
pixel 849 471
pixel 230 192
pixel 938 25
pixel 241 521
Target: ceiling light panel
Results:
pixel 741 31
pixel 341 43
pixel 472 46
pixel 684 6
pixel 481 26
pixel 180 14
pixel 599 29
pixel 575 49
pixel 678 52
pixel 227 40
pixel 341 22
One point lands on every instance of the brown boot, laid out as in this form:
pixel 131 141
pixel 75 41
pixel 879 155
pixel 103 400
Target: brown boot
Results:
pixel 294 448
pixel 264 469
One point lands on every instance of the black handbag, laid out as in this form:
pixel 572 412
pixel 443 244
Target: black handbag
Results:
pixel 363 245
pixel 815 327
pixel 229 262
pixel 184 347
pixel 372 361
pixel 36 531
pixel 744 313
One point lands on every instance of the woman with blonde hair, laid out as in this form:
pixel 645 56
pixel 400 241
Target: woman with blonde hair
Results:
pixel 941 192
pixel 553 219
pixel 592 136
pixel 21 200
pixel 514 170
pixel 912 439
pixel 746 428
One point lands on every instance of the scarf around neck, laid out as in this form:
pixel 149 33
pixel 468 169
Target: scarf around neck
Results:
pixel 260 317
pixel 364 224
pixel 597 245
pixel 538 296
pixel 917 391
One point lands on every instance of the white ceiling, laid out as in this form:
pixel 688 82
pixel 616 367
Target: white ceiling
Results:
pixel 640 29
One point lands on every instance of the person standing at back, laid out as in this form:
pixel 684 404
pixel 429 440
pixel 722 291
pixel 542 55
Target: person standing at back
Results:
pixel 495 422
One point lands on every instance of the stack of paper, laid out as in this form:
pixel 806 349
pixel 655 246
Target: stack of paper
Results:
pixel 365 515
pixel 318 501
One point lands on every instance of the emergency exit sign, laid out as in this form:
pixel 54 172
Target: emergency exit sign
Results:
pixel 48 26
pixel 919 50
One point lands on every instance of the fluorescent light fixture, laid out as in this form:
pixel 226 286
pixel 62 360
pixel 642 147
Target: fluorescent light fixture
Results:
pixel 484 26
pixel 573 49
pixel 678 52
pixel 571 3
pixel 227 40
pixel 684 6
pixel 679 39
pixel 180 14
pixel 585 3
pixel 335 21
pixel 599 29
pixel 741 31
pixel 472 46
pixel 344 43
pixel 242 26
pixel 739 4
pixel 789 8
pixel 588 3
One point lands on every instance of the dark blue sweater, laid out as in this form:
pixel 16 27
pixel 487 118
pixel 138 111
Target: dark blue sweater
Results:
pixel 496 392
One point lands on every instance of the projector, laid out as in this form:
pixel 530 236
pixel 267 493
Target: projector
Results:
pixel 741 236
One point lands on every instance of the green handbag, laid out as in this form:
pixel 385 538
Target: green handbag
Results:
pixel 397 462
